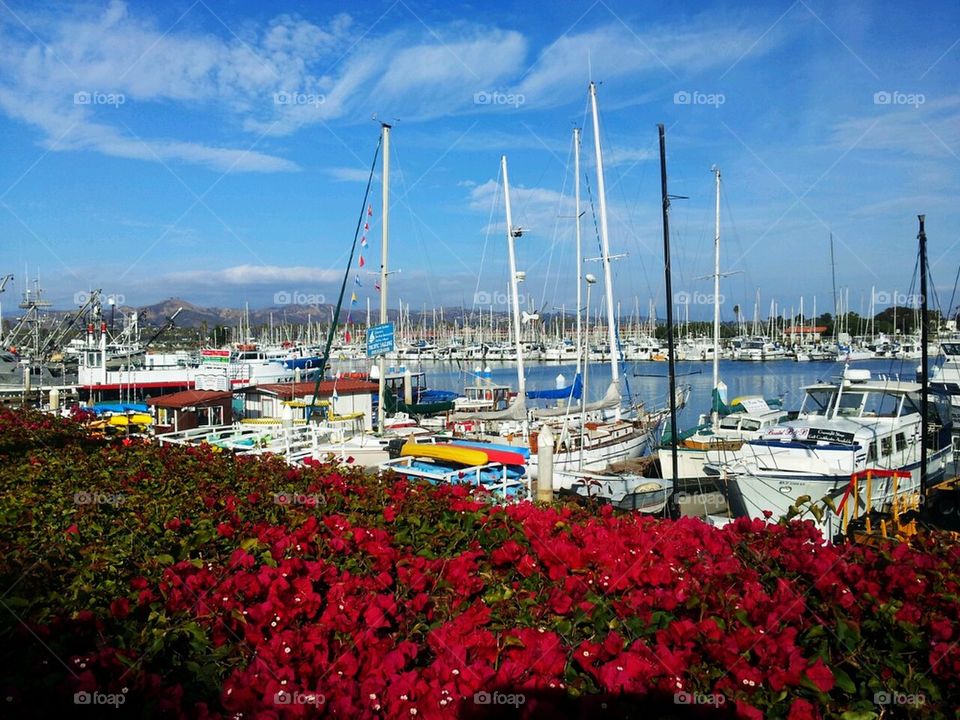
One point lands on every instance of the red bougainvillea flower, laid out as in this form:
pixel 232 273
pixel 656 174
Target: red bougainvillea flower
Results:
pixel 120 608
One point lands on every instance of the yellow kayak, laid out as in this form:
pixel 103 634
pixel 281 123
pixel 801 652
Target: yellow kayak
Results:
pixel 446 453
pixel 135 419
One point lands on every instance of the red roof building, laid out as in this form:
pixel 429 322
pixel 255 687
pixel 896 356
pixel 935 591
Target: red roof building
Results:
pixel 343 397
pixel 189 409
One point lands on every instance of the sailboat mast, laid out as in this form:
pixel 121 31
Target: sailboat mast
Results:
pixel 576 193
pixel 514 295
pixel 716 300
pixel 605 239
pixel 385 235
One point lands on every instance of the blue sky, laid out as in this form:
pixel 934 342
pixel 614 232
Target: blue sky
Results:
pixel 218 151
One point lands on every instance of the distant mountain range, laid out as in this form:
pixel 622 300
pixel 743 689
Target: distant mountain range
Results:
pixel 195 316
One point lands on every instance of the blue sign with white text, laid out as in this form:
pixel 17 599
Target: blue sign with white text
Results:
pixel 380 339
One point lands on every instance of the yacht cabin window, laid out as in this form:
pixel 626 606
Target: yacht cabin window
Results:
pixel 901 442
pixel 886 445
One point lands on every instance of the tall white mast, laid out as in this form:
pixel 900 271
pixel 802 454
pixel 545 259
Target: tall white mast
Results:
pixel 385 234
pixel 576 211
pixel 716 299
pixel 605 239
pixel 514 295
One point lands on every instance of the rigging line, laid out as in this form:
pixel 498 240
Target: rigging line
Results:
pixel 413 222
pixel 553 245
pixel 343 285
pixel 486 240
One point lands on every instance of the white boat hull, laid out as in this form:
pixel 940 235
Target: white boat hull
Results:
pixel 753 492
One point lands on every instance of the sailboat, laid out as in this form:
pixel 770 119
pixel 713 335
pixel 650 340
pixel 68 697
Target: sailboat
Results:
pixel 587 436
pixel 728 425
pixel 584 458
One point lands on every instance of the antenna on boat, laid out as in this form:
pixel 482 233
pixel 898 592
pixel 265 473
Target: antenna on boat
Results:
pixel 665 198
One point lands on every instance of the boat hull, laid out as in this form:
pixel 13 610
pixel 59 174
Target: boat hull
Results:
pixel 753 492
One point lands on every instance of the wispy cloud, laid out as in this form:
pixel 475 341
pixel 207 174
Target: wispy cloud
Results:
pixel 250 275
pixel 349 174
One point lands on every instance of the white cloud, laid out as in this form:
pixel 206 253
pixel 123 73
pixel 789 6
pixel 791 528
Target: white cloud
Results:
pixel 349 174
pixel 613 52
pixel 247 275
pixel 281 76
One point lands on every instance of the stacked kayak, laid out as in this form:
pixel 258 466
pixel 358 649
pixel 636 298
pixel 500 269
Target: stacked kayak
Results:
pixel 499 468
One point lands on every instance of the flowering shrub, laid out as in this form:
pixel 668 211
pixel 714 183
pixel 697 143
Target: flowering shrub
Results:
pixel 185 582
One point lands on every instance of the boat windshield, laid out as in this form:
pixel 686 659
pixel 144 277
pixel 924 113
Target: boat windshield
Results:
pixel 731 422
pixel 818 401
pixel 881 404
pixel 951 348
pixel 850 403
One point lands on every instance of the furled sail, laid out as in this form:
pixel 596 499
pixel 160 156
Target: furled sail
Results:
pixel 571 391
pixel 610 400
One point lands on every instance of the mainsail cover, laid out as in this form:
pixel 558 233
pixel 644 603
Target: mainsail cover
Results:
pixel 516 411
pixel 571 391
pixel 610 400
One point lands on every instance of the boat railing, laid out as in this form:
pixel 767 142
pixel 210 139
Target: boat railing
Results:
pixel 472 475
pixel 900 501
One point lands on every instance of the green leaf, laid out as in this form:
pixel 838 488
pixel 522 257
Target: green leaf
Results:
pixel 164 559
pixel 843 681
pixel 859 715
